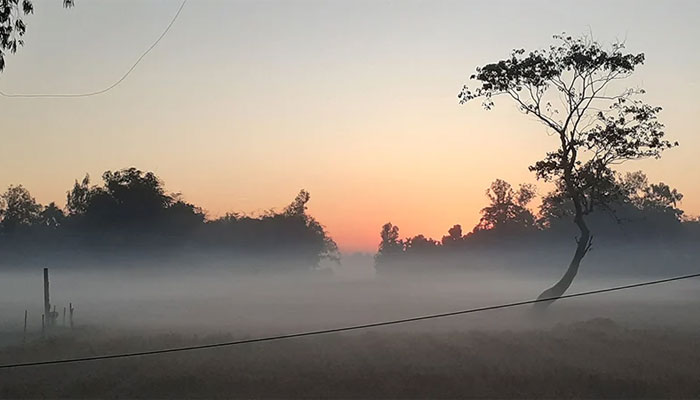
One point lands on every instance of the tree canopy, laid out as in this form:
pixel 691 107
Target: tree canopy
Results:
pixel 508 208
pixel 131 211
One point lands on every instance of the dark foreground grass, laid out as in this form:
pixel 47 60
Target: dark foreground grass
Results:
pixel 592 359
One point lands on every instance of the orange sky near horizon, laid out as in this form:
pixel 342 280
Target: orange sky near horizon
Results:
pixel 245 103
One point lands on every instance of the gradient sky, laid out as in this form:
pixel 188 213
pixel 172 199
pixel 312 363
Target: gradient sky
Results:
pixel 245 103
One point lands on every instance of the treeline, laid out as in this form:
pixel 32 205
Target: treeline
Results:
pixel 640 228
pixel 130 217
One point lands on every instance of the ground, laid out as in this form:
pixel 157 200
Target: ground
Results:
pixel 595 358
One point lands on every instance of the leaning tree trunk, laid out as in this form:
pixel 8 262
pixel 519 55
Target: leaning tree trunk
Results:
pixel 582 247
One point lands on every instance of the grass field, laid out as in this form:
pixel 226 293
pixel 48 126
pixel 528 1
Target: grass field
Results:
pixel 597 358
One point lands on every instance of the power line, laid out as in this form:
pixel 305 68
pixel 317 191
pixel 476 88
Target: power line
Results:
pixel 108 88
pixel 346 328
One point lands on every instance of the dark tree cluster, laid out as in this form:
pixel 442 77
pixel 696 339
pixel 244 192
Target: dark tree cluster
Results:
pixel 637 212
pixel 131 214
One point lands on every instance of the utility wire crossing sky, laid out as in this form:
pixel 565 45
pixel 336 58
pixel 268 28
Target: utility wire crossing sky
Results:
pixel 108 88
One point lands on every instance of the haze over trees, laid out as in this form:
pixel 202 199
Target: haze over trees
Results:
pixel 642 230
pixel 131 215
pixel 572 89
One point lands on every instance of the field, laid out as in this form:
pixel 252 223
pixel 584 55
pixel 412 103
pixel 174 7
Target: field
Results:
pixel 596 358
pixel 635 344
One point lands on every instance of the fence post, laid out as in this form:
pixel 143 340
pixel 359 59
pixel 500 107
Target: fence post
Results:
pixel 47 302
pixel 24 332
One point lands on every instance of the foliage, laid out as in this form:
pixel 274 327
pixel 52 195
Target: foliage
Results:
pixel 12 25
pixel 454 237
pixel 390 244
pixel 131 210
pixel 640 211
pixel 508 208
pixel 19 209
pixel 630 197
pixel 565 87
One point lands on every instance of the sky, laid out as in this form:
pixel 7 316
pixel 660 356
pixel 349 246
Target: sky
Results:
pixel 244 103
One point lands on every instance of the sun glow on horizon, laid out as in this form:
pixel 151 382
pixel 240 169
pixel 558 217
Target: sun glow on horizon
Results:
pixel 354 101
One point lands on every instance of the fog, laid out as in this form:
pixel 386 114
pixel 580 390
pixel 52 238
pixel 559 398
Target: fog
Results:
pixel 154 298
pixel 608 344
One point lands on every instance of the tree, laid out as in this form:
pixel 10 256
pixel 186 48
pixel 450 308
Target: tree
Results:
pixel 20 209
pixel 508 208
pixel 137 194
pixel 391 245
pixel 421 244
pixel 632 199
pixel 567 88
pixel 12 25
pixel 78 198
pixel 52 216
pixel 454 236
pixel 322 245
pixel 128 197
pixel 298 206
pixel 655 197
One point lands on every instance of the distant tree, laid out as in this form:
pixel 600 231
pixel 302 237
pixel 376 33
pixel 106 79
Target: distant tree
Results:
pixel 128 197
pixel 292 232
pixel 52 216
pixel 421 244
pixel 19 209
pixel 630 199
pixel 658 197
pixel 298 206
pixel 390 245
pixel 12 25
pixel 78 198
pixel 137 194
pixel 508 208
pixel 132 212
pixel 324 247
pixel 555 206
pixel 568 88
pixel 181 215
pixel 454 237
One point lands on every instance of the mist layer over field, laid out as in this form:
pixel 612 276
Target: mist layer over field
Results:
pixel 639 343
pixel 158 299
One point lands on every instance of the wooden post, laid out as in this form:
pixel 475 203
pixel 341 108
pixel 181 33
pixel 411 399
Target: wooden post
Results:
pixel 47 302
pixel 70 309
pixel 24 333
pixel 64 316
pixel 43 327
